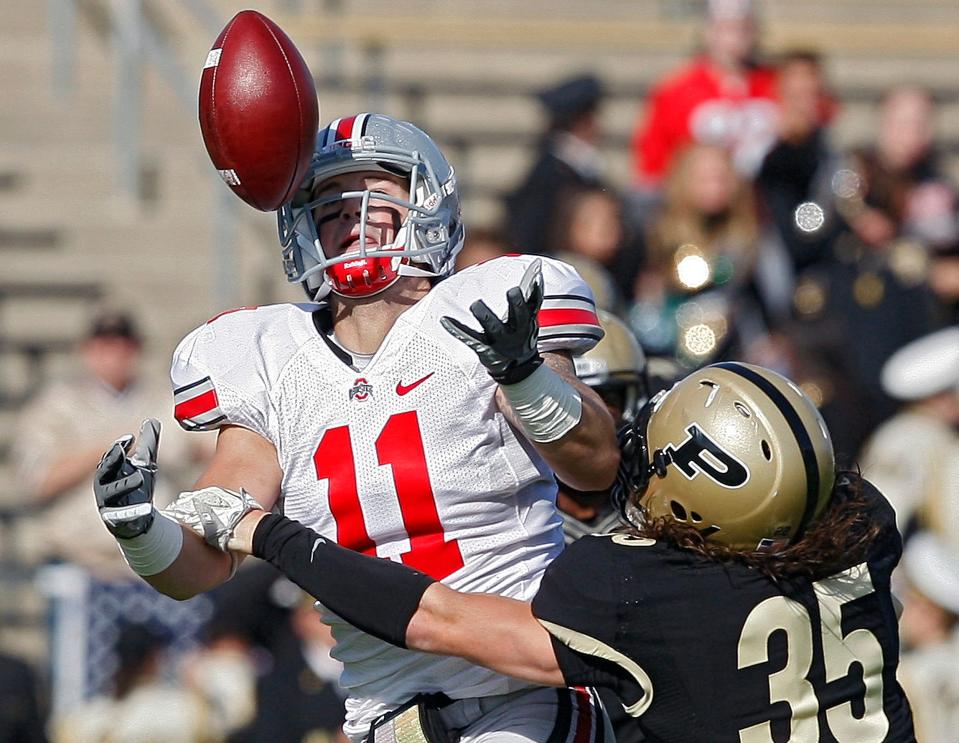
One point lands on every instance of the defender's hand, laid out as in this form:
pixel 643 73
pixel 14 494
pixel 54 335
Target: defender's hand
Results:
pixel 123 485
pixel 506 348
pixel 213 513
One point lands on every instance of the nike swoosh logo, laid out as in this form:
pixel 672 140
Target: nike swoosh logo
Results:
pixel 316 544
pixel 402 389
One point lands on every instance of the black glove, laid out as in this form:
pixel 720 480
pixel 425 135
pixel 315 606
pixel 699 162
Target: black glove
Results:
pixel 506 348
pixel 124 486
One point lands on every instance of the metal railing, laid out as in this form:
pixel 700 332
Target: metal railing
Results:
pixel 135 43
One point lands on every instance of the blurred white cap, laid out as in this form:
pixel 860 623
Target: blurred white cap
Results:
pixel 730 9
pixel 924 367
pixel 932 566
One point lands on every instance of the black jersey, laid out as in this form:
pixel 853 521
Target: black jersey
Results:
pixel 699 650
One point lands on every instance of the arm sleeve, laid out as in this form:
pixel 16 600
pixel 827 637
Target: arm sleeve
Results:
pixel 373 594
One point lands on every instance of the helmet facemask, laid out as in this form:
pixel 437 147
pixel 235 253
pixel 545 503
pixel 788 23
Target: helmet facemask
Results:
pixel 637 466
pixel 428 236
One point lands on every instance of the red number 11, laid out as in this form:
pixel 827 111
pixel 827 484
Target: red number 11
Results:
pixel 399 445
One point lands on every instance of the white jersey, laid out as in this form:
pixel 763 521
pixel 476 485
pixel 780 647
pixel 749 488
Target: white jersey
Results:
pixel 409 459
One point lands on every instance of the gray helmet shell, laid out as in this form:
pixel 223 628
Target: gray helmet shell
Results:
pixel 432 232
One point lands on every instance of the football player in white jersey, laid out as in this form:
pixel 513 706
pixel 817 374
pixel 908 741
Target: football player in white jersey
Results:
pixel 404 412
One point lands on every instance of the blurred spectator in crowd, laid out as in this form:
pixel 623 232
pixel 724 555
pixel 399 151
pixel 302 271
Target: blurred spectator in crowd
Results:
pixel 22 716
pixel 695 299
pixel 899 199
pixel 589 233
pixel 223 673
pixel 299 698
pixel 910 456
pixel 722 97
pixel 907 184
pixel 944 281
pixel 929 630
pixel 143 707
pixel 568 158
pixel 913 194
pixel 62 433
pixel 875 287
pixel 798 170
pixel 264 622
pixel 481 245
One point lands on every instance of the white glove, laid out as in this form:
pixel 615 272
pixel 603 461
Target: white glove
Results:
pixel 212 513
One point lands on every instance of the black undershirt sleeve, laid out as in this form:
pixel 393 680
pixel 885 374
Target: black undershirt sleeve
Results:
pixel 375 595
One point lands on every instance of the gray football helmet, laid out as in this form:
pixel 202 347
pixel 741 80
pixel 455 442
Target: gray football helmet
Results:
pixel 616 368
pixel 429 237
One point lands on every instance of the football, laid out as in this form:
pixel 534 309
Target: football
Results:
pixel 258 111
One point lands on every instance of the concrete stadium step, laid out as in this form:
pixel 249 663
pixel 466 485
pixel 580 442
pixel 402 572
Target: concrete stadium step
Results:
pixel 35 313
pixel 478 67
pixel 558 32
pixel 836 11
pixel 25 636
pixel 8 419
pixel 24 20
pixel 178 182
pixel 88 116
pixel 478 73
pixel 23 376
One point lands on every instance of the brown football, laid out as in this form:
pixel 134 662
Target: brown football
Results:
pixel 258 111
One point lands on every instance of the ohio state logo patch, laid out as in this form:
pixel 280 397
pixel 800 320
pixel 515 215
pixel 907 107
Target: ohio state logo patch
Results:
pixel 361 389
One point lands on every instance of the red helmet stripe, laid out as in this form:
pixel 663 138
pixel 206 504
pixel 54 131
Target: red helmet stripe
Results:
pixel 344 128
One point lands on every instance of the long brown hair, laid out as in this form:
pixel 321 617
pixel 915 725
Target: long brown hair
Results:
pixel 680 222
pixel 841 536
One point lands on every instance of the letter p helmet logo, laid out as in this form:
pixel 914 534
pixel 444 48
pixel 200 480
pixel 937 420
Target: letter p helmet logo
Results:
pixel 699 454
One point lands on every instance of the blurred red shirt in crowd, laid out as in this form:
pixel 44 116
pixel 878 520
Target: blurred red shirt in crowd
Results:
pixel 720 97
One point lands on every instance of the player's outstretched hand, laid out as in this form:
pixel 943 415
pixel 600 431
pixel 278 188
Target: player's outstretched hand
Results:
pixel 123 484
pixel 213 513
pixel 507 348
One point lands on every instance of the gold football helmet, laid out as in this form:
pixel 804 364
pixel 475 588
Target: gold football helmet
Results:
pixel 616 368
pixel 736 451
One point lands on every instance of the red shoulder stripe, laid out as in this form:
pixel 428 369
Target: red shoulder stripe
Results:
pixel 549 318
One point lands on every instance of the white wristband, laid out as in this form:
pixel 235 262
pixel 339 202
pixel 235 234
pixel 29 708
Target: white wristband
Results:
pixel 155 550
pixel 546 405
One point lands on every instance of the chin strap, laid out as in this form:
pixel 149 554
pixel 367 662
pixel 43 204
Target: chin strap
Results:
pixel 637 464
pixel 408 269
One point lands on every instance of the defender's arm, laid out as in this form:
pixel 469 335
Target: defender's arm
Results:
pixel 400 605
